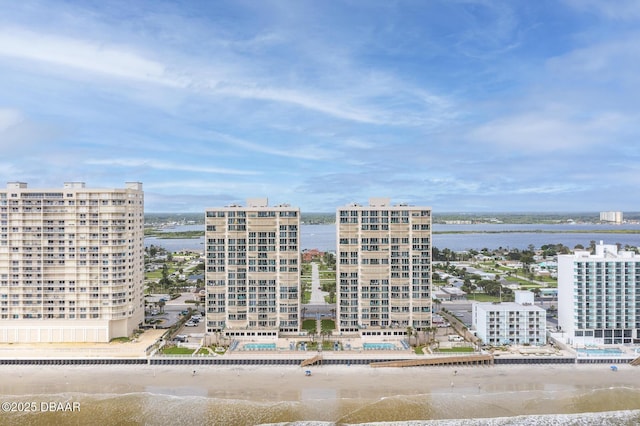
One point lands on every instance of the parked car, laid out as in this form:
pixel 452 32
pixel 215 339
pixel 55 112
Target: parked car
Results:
pixel 155 312
pixel 181 338
pixel 191 324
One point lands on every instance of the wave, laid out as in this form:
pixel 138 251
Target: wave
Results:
pixel 159 408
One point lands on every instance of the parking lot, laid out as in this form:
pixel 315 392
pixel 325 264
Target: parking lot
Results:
pixel 172 313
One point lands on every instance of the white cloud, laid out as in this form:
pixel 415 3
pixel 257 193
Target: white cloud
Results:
pixel 165 165
pixel 9 118
pixel 623 10
pixel 302 99
pixel 544 132
pixel 307 152
pixel 114 61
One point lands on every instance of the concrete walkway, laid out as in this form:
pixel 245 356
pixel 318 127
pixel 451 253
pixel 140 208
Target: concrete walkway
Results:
pixel 317 295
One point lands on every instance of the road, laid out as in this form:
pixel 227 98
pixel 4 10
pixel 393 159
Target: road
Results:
pixel 317 295
pixel 317 306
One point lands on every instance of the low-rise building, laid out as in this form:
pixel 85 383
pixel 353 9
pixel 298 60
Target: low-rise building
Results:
pixel 519 322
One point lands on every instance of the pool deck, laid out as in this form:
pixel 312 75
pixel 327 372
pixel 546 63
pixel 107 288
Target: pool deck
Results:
pixel 353 350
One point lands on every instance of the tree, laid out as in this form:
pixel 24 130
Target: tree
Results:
pixel 161 304
pixel 409 334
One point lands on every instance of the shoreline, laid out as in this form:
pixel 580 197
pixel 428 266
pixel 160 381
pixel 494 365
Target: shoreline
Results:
pixel 517 384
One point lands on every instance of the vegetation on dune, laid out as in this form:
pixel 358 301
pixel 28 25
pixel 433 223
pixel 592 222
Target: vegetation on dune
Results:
pixel 172 235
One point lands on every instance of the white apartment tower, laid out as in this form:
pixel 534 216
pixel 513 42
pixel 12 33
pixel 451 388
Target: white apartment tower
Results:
pixel 383 268
pixel 253 269
pixel 71 263
pixel 612 216
pixel 599 296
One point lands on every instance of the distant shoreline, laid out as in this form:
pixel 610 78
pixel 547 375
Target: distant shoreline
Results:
pixel 161 235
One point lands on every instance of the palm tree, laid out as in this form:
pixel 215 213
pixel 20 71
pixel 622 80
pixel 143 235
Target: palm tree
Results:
pixel 409 333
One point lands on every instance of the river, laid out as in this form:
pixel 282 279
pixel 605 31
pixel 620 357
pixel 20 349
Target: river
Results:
pixel 454 237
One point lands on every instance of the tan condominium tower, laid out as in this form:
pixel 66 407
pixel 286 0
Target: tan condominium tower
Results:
pixel 383 268
pixel 71 263
pixel 253 269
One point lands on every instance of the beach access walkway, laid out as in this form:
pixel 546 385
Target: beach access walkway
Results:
pixel 311 361
pixel 482 359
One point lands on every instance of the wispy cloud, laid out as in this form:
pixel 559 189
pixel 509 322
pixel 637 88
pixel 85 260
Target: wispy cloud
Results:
pixel 167 166
pixel 489 104
pixel 114 61
pixel 9 118
pixel 622 10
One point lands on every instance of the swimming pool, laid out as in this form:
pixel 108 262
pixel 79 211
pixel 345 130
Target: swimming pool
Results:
pixel 379 346
pixel 599 352
pixel 259 346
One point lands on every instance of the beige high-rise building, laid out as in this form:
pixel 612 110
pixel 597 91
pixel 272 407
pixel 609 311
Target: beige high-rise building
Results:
pixel 383 268
pixel 253 269
pixel 71 263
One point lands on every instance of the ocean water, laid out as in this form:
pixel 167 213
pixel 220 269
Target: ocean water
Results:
pixel 621 406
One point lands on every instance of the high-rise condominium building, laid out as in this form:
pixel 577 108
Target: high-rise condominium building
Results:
pixel 253 275
pixel 383 268
pixel 614 217
pixel 71 263
pixel 599 296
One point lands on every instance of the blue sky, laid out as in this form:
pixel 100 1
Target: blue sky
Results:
pixel 464 106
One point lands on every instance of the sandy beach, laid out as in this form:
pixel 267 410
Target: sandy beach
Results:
pixel 340 394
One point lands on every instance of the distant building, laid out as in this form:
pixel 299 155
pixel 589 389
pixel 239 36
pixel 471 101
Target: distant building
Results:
pixel 383 268
pixel 448 294
pixel 599 296
pixel 253 269
pixel 309 255
pixel 614 217
pixel 519 322
pixel 71 263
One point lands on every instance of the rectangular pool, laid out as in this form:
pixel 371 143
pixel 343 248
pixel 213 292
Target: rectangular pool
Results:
pixel 599 352
pixel 259 347
pixel 380 346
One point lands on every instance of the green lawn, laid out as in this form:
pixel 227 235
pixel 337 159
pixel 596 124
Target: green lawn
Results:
pixel 174 350
pixel 309 324
pixel 451 350
pixel 327 324
pixel 327 275
pixel 483 297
